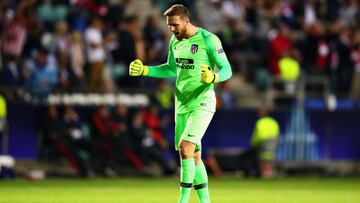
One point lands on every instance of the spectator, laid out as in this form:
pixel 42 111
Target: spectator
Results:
pixel 156 125
pixel 210 15
pixel 226 97
pixel 80 143
pixel 54 144
pixel 242 48
pixel 155 43
pixel 164 95
pixel 343 66
pixel 41 75
pixel 110 45
pixel 77 60
pixel 355 56
pixel 316 49
pixel 64 72
pixel 115 13
pixel 16 31
pixel 50 133
pixel 3 123
pixel 145 145
pixel 279 45
pixel 126 50
pixel 108 136
pixel 62 39
pixel 120 117
pixel 10 76
pixel 95 55
pixel 136 30
pixel 347 12
pixel 234 9
pixel 258 159
pixel 34 40
pixel 309 11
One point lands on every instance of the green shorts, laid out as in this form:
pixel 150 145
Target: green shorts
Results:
pixel 191 127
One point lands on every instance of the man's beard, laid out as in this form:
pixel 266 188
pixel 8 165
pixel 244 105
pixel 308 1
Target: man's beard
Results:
pixel 180 35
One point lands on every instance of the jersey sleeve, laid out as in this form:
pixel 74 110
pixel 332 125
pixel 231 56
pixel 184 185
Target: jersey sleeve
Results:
pixel 218 56
pixel 167 69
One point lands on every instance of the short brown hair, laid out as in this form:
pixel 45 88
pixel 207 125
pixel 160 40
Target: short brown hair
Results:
pixel 177 10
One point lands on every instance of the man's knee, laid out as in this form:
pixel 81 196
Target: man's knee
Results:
pixel 197 157
pixel 186 149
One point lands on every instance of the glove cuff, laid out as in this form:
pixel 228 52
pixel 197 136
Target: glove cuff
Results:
pixel 145 71
pixel 216 78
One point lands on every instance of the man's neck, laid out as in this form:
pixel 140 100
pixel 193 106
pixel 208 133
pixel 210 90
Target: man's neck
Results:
pixel 191 31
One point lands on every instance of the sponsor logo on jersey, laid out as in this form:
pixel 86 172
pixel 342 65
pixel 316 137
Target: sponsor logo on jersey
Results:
pixel 220 50
pixel 194 48
pixel 191 135
pixel 184 63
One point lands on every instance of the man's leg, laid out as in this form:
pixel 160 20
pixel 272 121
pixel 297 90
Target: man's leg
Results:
pixel 189 130
pixel 187 174
pixel 201 179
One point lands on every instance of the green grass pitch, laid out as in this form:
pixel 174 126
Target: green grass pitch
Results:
pixel 165 190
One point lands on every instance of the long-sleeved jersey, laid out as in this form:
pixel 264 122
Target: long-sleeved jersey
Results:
pixel 184 60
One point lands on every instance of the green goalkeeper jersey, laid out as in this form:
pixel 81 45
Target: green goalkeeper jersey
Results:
pixel 184 60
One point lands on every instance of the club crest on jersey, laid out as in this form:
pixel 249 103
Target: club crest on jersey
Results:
pixel 194 48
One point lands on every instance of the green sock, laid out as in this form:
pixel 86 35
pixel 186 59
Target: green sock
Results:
pixel 186 177
pixel 201 183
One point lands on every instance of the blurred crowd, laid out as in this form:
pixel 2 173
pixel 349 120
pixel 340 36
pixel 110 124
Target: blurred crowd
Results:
pixel 86 45
pixel 104 143
pixel 67 46
pixel 322 37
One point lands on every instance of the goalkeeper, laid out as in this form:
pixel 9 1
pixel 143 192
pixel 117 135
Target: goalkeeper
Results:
pixel 193 55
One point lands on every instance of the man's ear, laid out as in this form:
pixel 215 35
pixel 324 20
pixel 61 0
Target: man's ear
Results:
pixel 187 21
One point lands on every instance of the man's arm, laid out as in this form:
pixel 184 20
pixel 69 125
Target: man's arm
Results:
pixel 218 56
pixel 165 70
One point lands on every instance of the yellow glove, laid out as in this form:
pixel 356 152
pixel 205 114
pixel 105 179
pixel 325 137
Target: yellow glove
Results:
pixel 136 68
pixel 207 76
